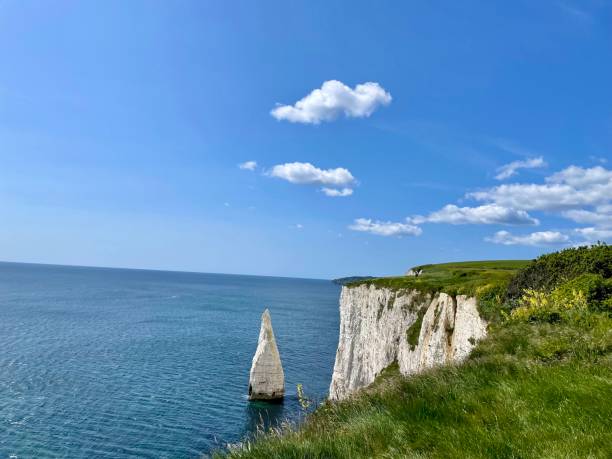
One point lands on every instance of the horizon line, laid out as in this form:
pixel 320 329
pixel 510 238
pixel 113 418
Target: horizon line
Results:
pixel 156 270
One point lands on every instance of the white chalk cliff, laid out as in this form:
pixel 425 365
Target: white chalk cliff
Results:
pixel 267 379
pixel 379 326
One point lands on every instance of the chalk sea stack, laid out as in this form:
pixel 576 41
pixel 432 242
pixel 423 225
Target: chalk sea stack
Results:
pixel 267 379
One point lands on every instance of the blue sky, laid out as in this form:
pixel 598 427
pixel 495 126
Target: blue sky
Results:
pixel 123 125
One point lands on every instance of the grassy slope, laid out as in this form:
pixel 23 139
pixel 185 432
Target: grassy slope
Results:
pixel 454 278
pixel 534 390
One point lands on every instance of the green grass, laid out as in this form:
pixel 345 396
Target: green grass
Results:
pixel 529 390
pixel 413 332
pixel 453 278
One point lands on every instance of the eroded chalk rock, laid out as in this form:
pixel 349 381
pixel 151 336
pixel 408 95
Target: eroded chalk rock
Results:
pixel 267 379
pixel 376 328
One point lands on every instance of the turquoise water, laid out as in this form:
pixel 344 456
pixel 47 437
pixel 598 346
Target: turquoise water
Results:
pixel 114 363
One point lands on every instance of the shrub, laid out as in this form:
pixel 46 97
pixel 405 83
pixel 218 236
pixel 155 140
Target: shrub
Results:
pixel 549 271
pixel 596 289
pixel 538 306
pixel 491 300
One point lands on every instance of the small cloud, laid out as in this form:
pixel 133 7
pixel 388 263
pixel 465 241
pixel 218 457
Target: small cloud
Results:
pixel 508 170
pixel 579 177
pixel 333 99
pixel 593 234
pixel 333 192
pixel 248 165
pixel 539 238
pixel 381 228
pixel 598 159
pixel 226 204
pixel 601 216
pixel 307 174
pixel 488 214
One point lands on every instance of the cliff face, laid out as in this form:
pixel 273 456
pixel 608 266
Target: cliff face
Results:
pixel 379 326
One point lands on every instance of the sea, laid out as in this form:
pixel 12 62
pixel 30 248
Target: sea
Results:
pixel 122 363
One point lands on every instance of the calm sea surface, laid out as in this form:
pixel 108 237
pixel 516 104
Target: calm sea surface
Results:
pixel 115 363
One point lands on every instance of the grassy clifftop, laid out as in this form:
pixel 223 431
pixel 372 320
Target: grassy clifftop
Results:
pixel 453 278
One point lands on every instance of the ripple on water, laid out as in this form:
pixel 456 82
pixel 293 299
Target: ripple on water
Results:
pixel 117 363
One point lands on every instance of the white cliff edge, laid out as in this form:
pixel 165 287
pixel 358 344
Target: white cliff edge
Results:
pixel 379 326
pixel 267 379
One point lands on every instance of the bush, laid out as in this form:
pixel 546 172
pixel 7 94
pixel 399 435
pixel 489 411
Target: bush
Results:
pixel 538 306
pixel 569 301
pixel 491 301
pixel 549 271
pixel 596 289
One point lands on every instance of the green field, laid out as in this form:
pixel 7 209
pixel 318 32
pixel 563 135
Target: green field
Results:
pixel 453 278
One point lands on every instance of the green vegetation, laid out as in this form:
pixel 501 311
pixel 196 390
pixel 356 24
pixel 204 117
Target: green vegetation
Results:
pixel 537 306
pixel 453 278
pixel 412 334
pixel 548 271
pixel 540 385
pixel 597 290
pixel 348 280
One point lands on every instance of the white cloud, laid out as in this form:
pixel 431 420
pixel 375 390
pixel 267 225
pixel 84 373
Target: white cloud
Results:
pixel 606 208
pixel 333 99
pixel 385 228
pixel 306 174
pixel 333 192
pixel 601 216
pixel 531 196
pixel 579 177
pixel 508 170
pixel 532 239
pixel 583 195
pixel 248 165
pixel 592 234
pixel 571 188
pixel 488 214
